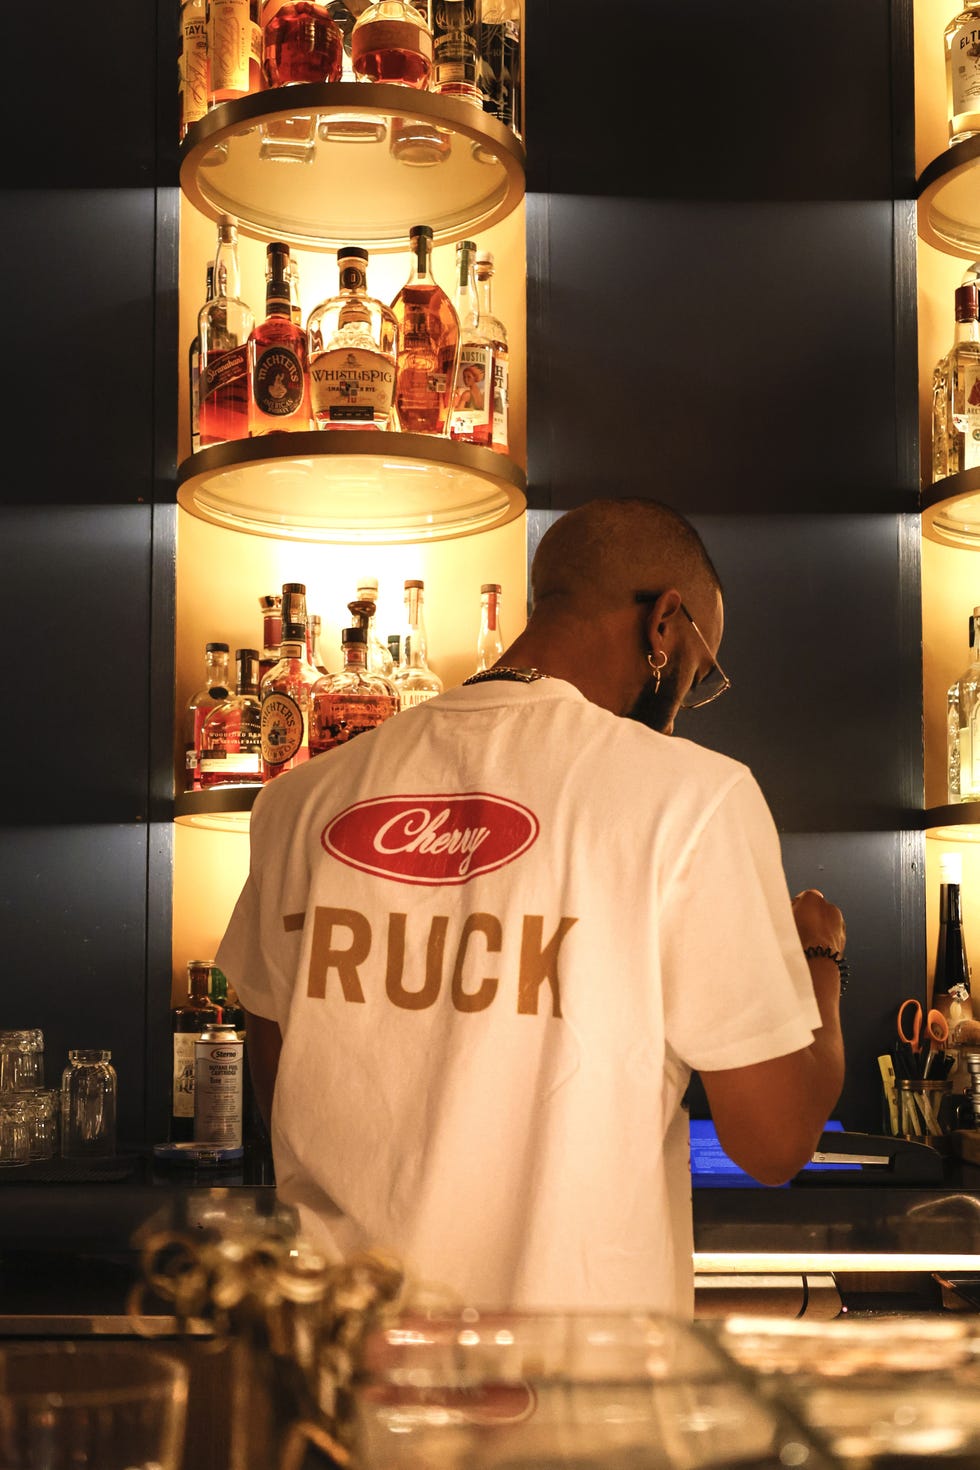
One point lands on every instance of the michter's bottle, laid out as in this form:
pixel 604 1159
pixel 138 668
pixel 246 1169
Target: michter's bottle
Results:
pixel 278 377
pixel 352 351
pixel 231 746
pixel 472 416
pixel 427 346
pixel 284 693
pixel 187 1022
pixel 413 679
pixel 223 325
pixel 352 701
pixel 951 980
pixel 963 724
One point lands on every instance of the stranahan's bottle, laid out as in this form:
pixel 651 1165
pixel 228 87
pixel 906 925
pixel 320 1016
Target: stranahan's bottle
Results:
pixel 351 339
pixel 951 993
pixel 213 691
pixel 194 370
pixel 352 701
pixel 278 374
pixel 413 679
pixel 490 642
pixel 223 325
pixel 962 721
pixel 472 415
pixel 284 693
pixel 231 744
pixel 427 345
pixel 493 329
pixel 188 1020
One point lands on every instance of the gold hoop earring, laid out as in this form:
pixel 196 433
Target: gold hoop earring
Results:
pixel 657 668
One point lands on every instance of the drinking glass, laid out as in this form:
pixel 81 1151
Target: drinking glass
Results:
pixel 14 1130
pixel 88 1105
pixel 91 1406
pixel 21 1059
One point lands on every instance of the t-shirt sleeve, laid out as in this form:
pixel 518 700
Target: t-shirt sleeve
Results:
pixel 736 985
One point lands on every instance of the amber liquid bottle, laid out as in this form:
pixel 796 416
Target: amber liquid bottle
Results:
pixel 234 49
pixel 223 325
pixel 427 345
pixel 187 1023
pixel 392 42
pixel 278 373
pixel 284 693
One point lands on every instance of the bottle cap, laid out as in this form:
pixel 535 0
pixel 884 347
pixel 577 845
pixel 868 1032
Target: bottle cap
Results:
pixel 216 648
pixel 414 582
pixel 490 587
pixel 965 298
pixel 425 230
pixel 367 587
pixel 356 251
pixel 950 867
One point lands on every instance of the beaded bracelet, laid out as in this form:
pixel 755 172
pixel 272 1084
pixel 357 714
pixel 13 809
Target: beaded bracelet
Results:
pixel 824 952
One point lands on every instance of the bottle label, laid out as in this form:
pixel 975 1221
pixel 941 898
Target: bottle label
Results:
pixel 391 35
pixel 283 728
pixel 278 383
pixel 337 718
pixel 964 68
pixel 218 1067
pixel 501 441
pixel 183 1091
pixel 224 368
pixel 410 697
pixel 193 68
pixel 351 386
pixel 472 415
pixel 245 764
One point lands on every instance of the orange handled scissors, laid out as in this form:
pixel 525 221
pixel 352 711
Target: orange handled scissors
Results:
pixel 910 1030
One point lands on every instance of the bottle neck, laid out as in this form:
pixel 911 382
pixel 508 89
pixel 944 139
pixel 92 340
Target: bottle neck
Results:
pixel 467 302
pixel 484 294
pixel 949 904
pixel 355 657
pixel 421 262
pixel 353 278
pixel 227 275
pixel 216 670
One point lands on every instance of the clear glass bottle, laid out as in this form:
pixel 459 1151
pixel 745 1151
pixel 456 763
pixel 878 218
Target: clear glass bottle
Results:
pixel 352 701
pixel 314 643
pixel 223 325
pixel 963 724
pixel 456 66
pixel 364 611
pixel 192 66
pixel 270 604
pixel 231 744
pixel 392 42
pixel 88 1105
pixel 951 990
pixel 187 1021
pixel 490 642
pixel 301 42
pixel 285 691
pixel 500 62
pixel 351 339
pixel 278 372
pixel 234 49
pixel 961 41
pixel 493 329
pixel 21 1060
pixel 295 306
pixel 413 679
pixel 471 421
pixel 963 385
pixel 427 345
pixel 194 369
pixel 211 693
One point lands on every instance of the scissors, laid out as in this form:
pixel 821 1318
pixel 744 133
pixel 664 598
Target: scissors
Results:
pixel 910 1031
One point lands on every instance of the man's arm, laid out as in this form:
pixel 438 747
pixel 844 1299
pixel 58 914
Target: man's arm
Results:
pixel 770 1115
pixel 264 1042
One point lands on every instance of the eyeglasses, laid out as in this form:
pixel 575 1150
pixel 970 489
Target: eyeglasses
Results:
pixel 714 682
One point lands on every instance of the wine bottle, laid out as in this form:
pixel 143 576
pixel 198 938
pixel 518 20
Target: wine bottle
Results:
pixel 951 981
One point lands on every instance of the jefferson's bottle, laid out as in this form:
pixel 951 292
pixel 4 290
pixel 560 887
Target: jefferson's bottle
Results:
pixel 349 702
pixel 223 325
pixel 951 980
pixel 187 1022
pixel 493 329
pixel 231 746
pixel 213 691
pixel 427 344
pixel 472 415
pixel 962 46
pixel 285 691
pixel 392 42
pixel 963 724
pixel 234 49
pixel 490 642
pixel 413 679
pixel 351 339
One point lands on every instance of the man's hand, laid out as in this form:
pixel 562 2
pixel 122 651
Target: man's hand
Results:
pixel 818 921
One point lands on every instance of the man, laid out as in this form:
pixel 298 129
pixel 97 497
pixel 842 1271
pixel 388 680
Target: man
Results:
pixel 496 934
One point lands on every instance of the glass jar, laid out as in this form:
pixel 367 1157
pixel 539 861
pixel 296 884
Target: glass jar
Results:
pixel 21 1060
pixel 42 1106
pixel 14 1130
pixel 88 1105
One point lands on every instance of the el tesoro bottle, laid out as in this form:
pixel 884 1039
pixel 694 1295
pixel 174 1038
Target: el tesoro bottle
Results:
pixel 956 391
pixel 427 344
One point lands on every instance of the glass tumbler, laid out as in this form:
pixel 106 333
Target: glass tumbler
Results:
pixel 88 1105
pixel 21 1060
pixel 14 1130
pixel 42 1106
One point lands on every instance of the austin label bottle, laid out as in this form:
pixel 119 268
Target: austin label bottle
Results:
pixel 223 325
pixel 278 376
pixel 472 415
pixel 285 691
pixel 427 345
pixel 351 339
pixel 493 329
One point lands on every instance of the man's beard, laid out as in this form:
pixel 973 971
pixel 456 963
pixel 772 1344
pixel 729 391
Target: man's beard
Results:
pixel 654 706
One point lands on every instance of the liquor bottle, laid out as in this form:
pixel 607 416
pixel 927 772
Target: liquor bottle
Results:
pixel 234 49
pixel 413 679
pixel 223 325
pixel 471 421
pixel 500 62
pixel 490 642
pixel 301 42
pixel 364 610
pixel 351 339
pixel 285 691
pixel 271 606
pixel 493 329
pixel 427 345
pixel 194 370
pixel 348 703
pixel 392 42
pixel 231 745
pixel 213 691
pixel 295 306
pixel 225 998
pixel 951 992
pixel 278 375
pixel 962 385
pixel 187 1021
pixel 456 65
pixel 192 66
pixel 314 637
pixel 961 40
pixel 963 724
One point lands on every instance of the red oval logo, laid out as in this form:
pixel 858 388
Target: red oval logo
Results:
pixel 431 839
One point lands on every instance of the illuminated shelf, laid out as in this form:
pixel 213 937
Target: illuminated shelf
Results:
pixel 949 200
pixel 950 509
pixel 222 809
pixel 354 190
pixel 955 822
pixel 357 489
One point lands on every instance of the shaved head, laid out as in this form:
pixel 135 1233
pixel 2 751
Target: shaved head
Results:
pixel 604 551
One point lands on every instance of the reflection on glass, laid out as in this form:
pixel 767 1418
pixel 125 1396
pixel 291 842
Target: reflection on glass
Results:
pixel 288 139
pixel 352 127
pixel 419 143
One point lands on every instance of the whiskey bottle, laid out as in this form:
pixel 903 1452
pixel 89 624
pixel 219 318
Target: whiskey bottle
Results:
pixel 493 329
pixel 364 612
pixel 279 380
pixel 427 345
pixel 234 49
pixel 194 370
pixel 224 997
pixel 231 746
pixel 270 604
pixel 192 66
pixel 472 414
pixel 213 691
pixel 187 1022
pixel 963 724
pixel 490 642
pixel 951 993
pixel 349 702
pixel 961 40
pixel 314 643
pixel 301 42
pixel 963 385
pixel 413 679
pixel 500 62
pixel 295 306
pixel 456 66
pixel 223 325
pixel 284 693
pixel 392 42
pixel 351 339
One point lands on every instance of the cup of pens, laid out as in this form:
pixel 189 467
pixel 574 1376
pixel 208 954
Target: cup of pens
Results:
pixel 923 1063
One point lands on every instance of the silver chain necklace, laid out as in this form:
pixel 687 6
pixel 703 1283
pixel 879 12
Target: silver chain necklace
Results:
pixel 517 676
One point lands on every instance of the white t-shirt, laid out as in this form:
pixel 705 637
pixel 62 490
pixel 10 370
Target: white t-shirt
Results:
pixel 497 933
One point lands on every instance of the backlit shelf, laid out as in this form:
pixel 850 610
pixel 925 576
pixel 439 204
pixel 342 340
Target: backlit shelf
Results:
pixel 949 200
pixel 950 509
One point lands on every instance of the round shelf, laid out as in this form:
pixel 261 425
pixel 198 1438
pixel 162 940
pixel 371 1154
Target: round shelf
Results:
pixel 950 510
pixel 955 822
pixel 220 809
pixel 352 189
pixel 352 488
pixel 949 200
